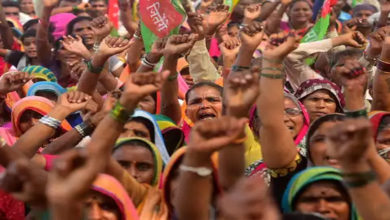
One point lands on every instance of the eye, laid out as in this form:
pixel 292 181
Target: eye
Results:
pixel 143 166
pixel 317 139
pixel 140 133
pixel 329 100
pixel 124 164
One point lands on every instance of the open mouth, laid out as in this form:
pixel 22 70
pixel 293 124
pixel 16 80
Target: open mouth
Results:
pixel 206 116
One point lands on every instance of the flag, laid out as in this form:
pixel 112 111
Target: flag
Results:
pixel 356 2
pixel 113 12
pixel 320 28
pixel 159 18
pixel 231 4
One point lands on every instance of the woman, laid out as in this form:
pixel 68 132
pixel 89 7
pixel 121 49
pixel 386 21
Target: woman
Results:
pixel 109 200
pixel 320 97
pixel 299 17
pixel 173 135
pixel 319 190
pixel 381 130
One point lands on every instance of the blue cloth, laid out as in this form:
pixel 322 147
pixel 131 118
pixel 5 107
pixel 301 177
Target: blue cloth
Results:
pixel 46 86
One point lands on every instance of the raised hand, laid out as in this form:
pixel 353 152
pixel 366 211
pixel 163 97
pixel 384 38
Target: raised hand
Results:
pixel 354 39
pixel 77 67
pixel 230 47
pixel 140 85
pixel 178 45
pixel 74 101
pixel 349 141
pixel 251 36
pixel 50 3
pixel 376 41
pixel 385 6
pixel 71 178
pixel 157 50
pixel 351 25
pixel 83 6
pixel 278 53
pixel 101 26
pixel 196 22
pixel 208 136
pixel 13 81
pixel 215 18
pixel 251 12
pixel 113 45
pixel 26 182
pixel 205 4
pixel 352 75
pixel 75 45
pixel 242 90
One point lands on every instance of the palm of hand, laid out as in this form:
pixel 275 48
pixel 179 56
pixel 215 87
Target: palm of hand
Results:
pixel 75 47
pixel 214 19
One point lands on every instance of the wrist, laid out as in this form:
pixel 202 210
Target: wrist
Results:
pixel 59 112
pixel 99 59
pixel 153 57
pixel 129 103
pixel 355 166
pixel 197 158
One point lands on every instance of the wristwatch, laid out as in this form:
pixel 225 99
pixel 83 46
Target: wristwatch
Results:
pixel 200 171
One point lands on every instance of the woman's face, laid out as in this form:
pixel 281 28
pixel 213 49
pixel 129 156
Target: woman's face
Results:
pixel 300 13
pixel 319 103
pixel 99 206
pixel 326 199
pixel 28 119
pixel 383 142
pixel 318 146
pixel 135 129
pixel 204 103
pixel 293 117
pixel 84 29
pixel 27 6
pixel 148 104
pixel 30 46
pixel 137 161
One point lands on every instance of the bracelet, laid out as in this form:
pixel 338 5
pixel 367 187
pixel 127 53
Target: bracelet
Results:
pixel 359 179
pixel 200 171
pixel 84 129
pixel 356 114
pixel 272 68
pixel 95 47
pixel 137 36
pixel 383 66
pixel 120 114
pixel 272 76
pixel 371 60
pixel 239 68
pixel 240 140
pixel 272 61
pixel 145 62
pixel 75 9
pixel 50 121
pixel 92 69
pixel 171 78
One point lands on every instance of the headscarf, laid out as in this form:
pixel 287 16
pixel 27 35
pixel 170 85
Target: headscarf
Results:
pixel 40 72
pixel 60 22
pixel 109 186
pixel 158 138
pixel 173 135
pixel 312 85
pixel 361 7
pixel 376 118
pixel 307 177
pixel 154 151
pixel 35 103
pixel 46 86
pixel 177 159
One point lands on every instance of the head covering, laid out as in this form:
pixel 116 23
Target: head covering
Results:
pixel 35 103
pixel 307 177
pixel 361 7
pixel 158 138
pixel 176 159
pixel 40 72
pixel 173 135
pixel 152 148
pixel 376 118
pixel 46 86
pixel 316 124
pixel 312 85
pixel 110 187
pixel 60 22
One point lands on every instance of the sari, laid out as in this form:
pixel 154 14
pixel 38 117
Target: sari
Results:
pixel 173 135
pixel 46 86
pixel 303 179
pixel 376 118
pixel 110 187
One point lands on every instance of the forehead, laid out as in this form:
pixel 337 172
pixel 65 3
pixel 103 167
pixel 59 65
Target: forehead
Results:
pixel 133 152
pixel 204 91
pixel 300 4
pixel 321 188
pixel 135 124
pixel 364 12
pixel 342 59
pixel 10 8
pixel 82 24
pixel 324 128
pixel 288 103
pixel 322 93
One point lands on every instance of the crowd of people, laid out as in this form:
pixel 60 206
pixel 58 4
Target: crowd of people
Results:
pixel 233 117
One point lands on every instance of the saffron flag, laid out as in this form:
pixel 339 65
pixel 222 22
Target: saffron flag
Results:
pixel 159 18
pixel 320 28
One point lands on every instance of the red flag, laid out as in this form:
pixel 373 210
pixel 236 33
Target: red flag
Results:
pixel 113 12
pixel 160 16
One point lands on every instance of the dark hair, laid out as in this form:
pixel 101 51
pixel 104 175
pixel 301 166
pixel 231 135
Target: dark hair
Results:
pixel 384 123
pixel 29 33
pixel 72 23
pixel 204 84
pixel 296 1
pixel 233 24
pixel 133 143
pixel 10 4
pixel 30 23
pixel 105 1
pixel 317 123
pixel 353 52
pixel 148 124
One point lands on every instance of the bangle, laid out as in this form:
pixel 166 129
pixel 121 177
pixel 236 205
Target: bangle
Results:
pixel 120 114
pixel 50 121
pixel 272 61
pixel 356 114
pixel 239 68
pixel 75 9
pixel 383 66
pixel 145 62
pixel 359 179
pixel 272 68
pixel 84 129
pixel 171 78
pixel 92 69
pixel 240 140
pixel 200 171
pixel 95 47
pixel 272 76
